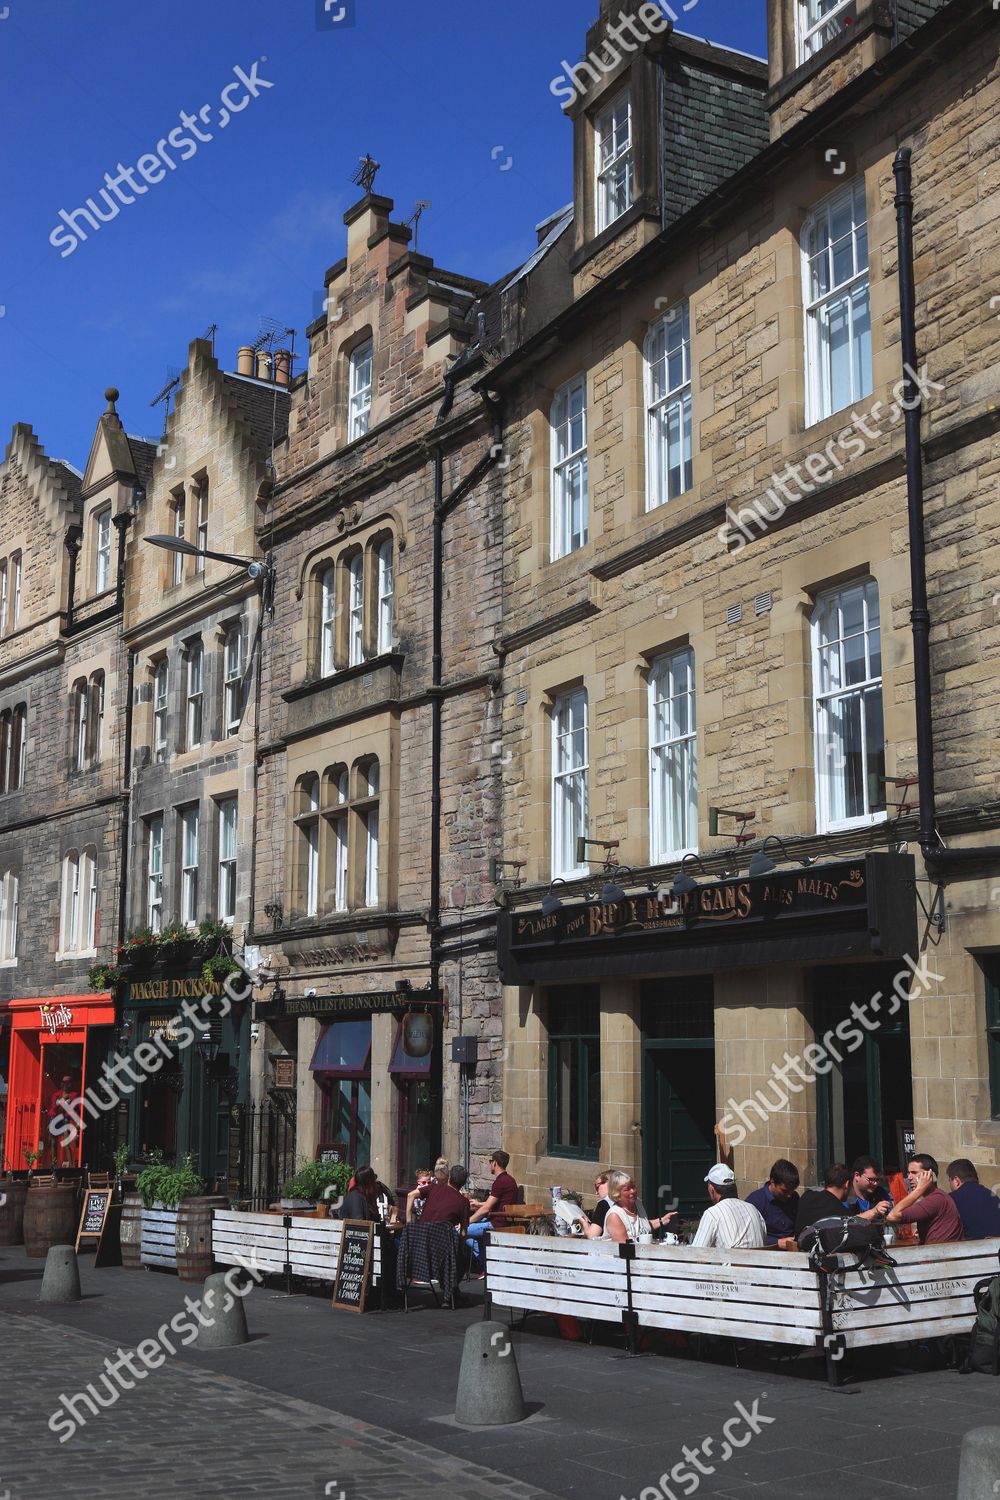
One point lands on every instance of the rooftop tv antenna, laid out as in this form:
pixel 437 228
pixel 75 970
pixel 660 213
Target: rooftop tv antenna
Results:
pixel 364 177
pixel 414 218
pixel 210 333
pixel 164 395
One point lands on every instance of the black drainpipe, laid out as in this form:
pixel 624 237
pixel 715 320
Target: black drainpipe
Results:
pixel 72 542
pixel 941 863
pixel 442 508
pixel 126 827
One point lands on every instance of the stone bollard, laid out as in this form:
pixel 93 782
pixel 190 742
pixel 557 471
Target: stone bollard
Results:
pixel 61 1277
pixel 225 1318
pixel 979 1470
pixel 489 1386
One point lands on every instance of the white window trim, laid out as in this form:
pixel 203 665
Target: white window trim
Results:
pixel 602 206
pixel 356 610
pixel 824 822
pixel 16 611
pixel 815 403
pixel 97 688
pixel 806 31
pixel 386 593
pixel 657 795
pixel 201 524
pixel 177 562
pixel 674 396
pixel 328 621
pixel 232 685
pixel 3 597
pixel 227 870
pixel 102 576
pixel 562 544
pixel 82 725
pixel 78 906
pixel 359 398
pixel 194 706
pixel 154 874
pixel 161 674
pixel 9 914
pixel 190 882
pixel 563 704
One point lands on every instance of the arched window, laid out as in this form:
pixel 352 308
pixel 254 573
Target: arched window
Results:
pixel 307 841
pixel 368 810
pixel 96 695
pixel 15 563
pixel 359 397
pixel 201 523
pixel 327 621
pixel 336 817
pixel 81 722
pixel 385 594
pixel 18 756
pixel 6 729
pixel 160 688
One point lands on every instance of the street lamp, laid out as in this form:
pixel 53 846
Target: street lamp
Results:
pixel 255 568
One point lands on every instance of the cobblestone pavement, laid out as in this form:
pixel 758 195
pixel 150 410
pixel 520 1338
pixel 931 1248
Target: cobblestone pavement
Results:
pixel 185 1432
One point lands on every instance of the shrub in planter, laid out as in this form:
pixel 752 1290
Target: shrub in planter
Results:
pixel 103 976
pixel 166 1185
pixel 314 1178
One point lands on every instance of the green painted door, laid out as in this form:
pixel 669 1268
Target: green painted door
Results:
pixel 679 1136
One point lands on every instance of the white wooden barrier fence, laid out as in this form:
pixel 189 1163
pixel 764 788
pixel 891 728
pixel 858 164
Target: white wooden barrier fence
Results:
pixel 284 1244
pixel 771 1296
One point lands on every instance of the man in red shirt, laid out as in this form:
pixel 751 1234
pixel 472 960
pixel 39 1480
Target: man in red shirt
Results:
pixel 935 1214
pixel 445 1203
pixel 502 1194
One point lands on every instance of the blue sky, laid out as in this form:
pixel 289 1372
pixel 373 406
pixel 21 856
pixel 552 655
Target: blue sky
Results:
pixel 444 93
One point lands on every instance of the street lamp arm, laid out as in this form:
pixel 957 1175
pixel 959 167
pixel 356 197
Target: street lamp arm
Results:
pixel 179 544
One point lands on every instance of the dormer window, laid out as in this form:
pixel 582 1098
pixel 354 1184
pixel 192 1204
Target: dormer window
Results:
pixel 359 392
pixel 613 158
pixel 102 578
pixel 821 22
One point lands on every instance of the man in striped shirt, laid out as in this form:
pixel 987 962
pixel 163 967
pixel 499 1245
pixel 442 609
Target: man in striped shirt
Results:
pixel 729 1224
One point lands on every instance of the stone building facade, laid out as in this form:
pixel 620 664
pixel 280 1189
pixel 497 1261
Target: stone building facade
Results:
pixel 707 634
pixel 62 804
pixel 380 730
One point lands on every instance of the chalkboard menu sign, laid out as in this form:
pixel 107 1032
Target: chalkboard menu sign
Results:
pixel 331 1153
pixel 350 1286
pixel 96 1202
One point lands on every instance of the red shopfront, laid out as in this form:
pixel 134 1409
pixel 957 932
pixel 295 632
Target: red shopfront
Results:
pixel 53 1050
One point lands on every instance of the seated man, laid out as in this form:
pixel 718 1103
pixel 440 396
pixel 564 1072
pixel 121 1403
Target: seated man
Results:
pixel 777 1201
pixel 444 1202
pixel 501 1195
pixel 830 1202
pixel 934 1212
pixel 729 1224
pixel 415 1198
pixel 978 1208
pixel 867 1188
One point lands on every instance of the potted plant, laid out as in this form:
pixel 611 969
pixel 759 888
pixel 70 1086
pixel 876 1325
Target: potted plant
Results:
pixel 315 1180
pixel 103 976
pixel 176 1220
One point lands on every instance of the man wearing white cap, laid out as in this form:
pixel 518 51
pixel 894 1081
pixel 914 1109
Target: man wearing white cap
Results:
pixel 729 1224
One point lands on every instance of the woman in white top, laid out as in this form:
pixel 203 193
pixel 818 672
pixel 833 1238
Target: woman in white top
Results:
pixel 626 1218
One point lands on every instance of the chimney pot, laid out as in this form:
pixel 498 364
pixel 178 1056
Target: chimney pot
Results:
pixel 263 365
pixel 282 366
pixel 244 360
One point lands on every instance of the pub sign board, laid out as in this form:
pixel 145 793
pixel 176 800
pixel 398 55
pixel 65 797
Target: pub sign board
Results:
pixel 350 1285
pixel 331 1153
pixel 860 907
pixel 96 1202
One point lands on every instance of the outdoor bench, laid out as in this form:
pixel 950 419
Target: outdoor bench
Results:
pixel 768 1296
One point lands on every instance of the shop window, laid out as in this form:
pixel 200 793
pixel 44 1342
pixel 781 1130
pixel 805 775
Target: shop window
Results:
pixel 669 470
pixel 991 968
pixel 613 160
pixel 232 688
pixel 190 840
pixel 837 303
pixel 847 688
pixel 673 779
pixel 341 1065
pixel 569 467
pixel 385 596
pixel 102 524
pixel 570 773
pixel 78 928
pixel 574 1073
pixel 8 917
pixel 226 881
pixel 154 873
pixel 359 399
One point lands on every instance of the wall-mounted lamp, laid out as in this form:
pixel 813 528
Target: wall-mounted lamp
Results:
pixel 550 901
pixel 743 818
pixel 760 864
pixel 582 845
pixel 255 567
pixel 683 882
pixel 611 891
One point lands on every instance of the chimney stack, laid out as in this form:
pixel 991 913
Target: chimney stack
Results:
pixel 263 365
pixel 283 366
pixel 244 360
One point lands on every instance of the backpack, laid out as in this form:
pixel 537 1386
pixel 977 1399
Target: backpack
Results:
pixel 984 1344
pixel 863 1238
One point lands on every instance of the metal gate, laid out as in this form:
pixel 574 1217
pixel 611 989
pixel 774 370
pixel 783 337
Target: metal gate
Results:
pixel 262 1149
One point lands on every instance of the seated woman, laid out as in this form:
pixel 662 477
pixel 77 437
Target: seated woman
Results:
pixel 626 1218
pixel 362 1200
pixel 592 1224
pixel 416 1197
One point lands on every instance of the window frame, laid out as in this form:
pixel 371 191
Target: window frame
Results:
pixel 560 779
pixel 97 707
pixel 684 746
pixel 81 724
pixel 16 591
pixel 227 810
pixel 385 580
pixel 823 737
pixel 194 695
pixel 102 532
pixel 659 409
pixel 359 394
pixel 9 914
pixel 154 872
pixel 355 568
pixel 328 620
pixel 807 29
pixel 369 809
pixel 161 677
pixel 564 462
pixel 604 124
pixel 3 597
pixel 586 1048
pixel 200 523
pixel 17 764
pixel 79 909
pixel 232 680
pixel 991 980
pixel 180 520
pixel 190 851
pixel 819 393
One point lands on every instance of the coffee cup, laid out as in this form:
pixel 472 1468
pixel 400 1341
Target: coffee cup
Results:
pixel 645 1239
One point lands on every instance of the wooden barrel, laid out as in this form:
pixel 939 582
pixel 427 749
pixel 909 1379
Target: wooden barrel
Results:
pixel 50 1217
pixel 131 1231
pixel 12 1211
pixel 194 1236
